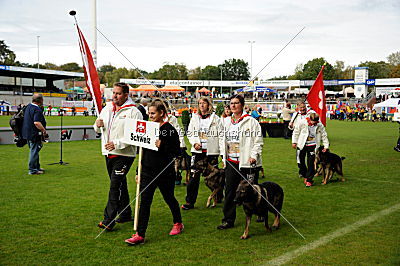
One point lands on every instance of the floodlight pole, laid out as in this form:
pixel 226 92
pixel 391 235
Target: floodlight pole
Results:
pixel 38 51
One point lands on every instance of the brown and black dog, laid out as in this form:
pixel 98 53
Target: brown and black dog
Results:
pixel 252 197
pixel 329 163
pixel 214 179
pixel 182 162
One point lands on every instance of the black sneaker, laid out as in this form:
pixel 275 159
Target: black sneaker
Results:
pixel 103 226
pixel 187 206
pixel 397 149
pixel 122 220
pixel 224 225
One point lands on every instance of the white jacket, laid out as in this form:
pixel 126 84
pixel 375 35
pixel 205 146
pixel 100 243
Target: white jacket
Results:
pixel 300 135
pixel 297 118
pixel 114 124
pixel 213 136
pixel 250 141
pixel 174 122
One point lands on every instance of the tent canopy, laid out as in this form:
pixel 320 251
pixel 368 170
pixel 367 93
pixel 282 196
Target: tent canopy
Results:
pixel 144 88
pixel 171 89
pixel 392 102
pixel 204 90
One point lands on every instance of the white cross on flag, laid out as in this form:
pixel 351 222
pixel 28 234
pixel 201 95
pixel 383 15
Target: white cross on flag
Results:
pixel 316 97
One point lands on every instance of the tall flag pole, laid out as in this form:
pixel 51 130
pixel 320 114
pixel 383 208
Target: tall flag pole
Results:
pixel 90 71
pixel 316 96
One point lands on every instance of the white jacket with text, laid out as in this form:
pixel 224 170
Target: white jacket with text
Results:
pixel 114 123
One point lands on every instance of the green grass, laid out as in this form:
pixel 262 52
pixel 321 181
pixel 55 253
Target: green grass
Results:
pixel 51 218
pixel 55 120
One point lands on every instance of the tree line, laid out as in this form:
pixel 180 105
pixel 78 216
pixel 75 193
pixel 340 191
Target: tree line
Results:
pixel 231 69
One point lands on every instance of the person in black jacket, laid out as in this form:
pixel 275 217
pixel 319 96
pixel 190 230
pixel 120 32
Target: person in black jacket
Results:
pixel 158 171
pixel 34 131
pixel 142 108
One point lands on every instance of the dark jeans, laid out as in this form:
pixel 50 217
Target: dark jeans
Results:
pixel 232 180
pixel 286 132
pixel 166 184
pixel 118 196
pixel 192 189
pixel 307 171
pixel 34 148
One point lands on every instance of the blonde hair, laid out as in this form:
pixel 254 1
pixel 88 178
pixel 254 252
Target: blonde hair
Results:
pixel 314 117
pixel 160 106
pixel 209 102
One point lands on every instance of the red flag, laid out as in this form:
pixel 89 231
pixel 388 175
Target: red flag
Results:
pixel 92 79
pixel 316 97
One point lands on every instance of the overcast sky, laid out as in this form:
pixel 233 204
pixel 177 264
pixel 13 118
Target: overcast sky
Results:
pixel 204 32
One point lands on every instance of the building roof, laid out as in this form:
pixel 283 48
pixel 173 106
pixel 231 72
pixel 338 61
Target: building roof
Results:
pixel 26 72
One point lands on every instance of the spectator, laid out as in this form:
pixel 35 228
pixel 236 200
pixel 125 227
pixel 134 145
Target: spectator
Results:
pixel 34 131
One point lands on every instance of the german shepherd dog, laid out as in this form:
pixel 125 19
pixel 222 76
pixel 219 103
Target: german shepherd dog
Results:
pixel 252 197
pixel 182 162
pixel 329 163
pixel 214 179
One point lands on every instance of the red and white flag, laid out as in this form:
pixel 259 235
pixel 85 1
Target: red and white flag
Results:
pixel 91 76
pixel 316 97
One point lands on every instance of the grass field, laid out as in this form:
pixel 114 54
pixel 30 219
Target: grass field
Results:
pixel 51 218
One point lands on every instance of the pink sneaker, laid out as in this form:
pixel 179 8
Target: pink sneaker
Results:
pixel 176 229
pixel 135 239
pixel 308 184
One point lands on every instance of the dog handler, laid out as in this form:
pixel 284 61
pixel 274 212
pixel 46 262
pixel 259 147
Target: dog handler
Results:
pixel 119 156
pixel 154 163
pixel 306 138
pixel 296 120
pixel 204 133
pixel 242 149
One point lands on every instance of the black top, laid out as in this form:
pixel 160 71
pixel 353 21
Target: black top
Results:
pixel 153 162
pixel 33 113
pixel 143 111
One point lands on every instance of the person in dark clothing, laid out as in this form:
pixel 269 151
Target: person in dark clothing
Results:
pixel 158 171
pixel 142 109
pixel 34 131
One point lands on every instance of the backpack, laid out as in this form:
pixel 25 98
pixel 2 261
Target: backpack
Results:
pixel 16 122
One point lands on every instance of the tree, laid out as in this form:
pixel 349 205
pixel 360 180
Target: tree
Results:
pixel 377 70
pixel 338 69
pixel 211 73
pixel 312 68
pixel 194 74
pixel 235 69
pixel 171 72
pixel 220 109
pixel 118 73
pixel 7 57
pixel 298 71
pixel 73 67
pixel 106 68
pixel 394 58
pixel 395 71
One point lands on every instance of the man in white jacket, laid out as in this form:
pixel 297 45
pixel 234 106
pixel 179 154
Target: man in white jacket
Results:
pixel 307 137
pixel 119 155
pixel 242 155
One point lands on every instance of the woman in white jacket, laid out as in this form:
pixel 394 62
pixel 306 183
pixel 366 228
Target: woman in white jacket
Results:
pixel 242 152
pixel 307 137
pixel 204 132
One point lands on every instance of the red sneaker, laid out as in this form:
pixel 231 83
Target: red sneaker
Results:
pixel 308 184
pixel 135 239
pixel 176 229
pixel 305 180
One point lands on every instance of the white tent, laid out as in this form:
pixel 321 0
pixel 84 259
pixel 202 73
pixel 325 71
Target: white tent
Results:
pixel 392 102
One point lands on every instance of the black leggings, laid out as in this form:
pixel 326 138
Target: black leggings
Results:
pixel 306 171
pixel 232 180
pixel 166 184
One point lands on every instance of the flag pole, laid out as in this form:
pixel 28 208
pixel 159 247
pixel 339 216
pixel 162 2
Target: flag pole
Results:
pixel 82 47
pixel 138 190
